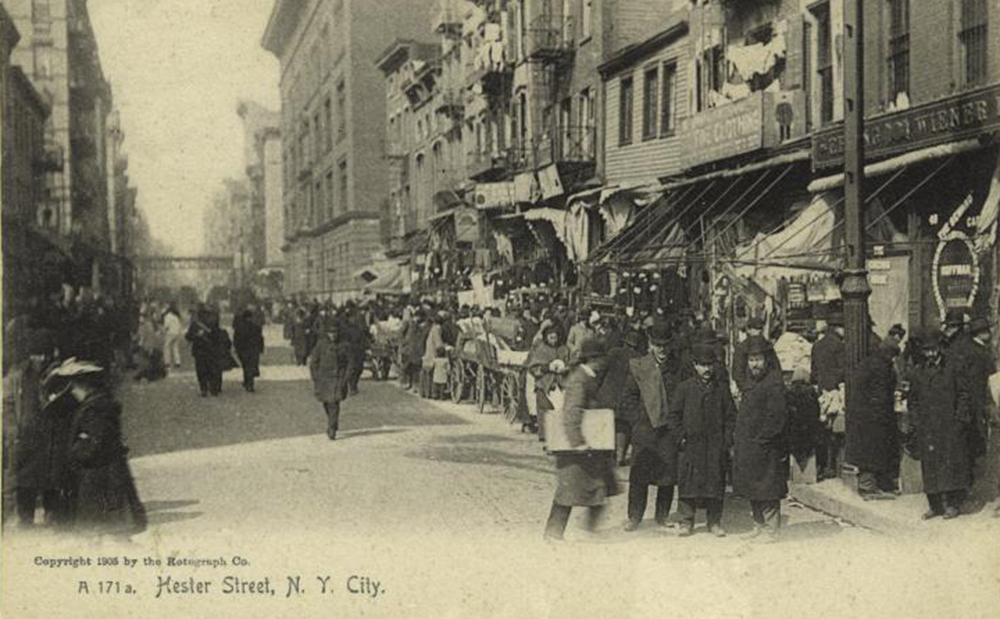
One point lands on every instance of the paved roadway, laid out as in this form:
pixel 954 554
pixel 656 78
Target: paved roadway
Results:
pixel 446 508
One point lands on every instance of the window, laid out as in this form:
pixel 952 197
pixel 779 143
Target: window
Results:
pixel 650 92
pixel 585 111
pixel 341 110
pixel 586 27
pixel 972 38
pixel 824 63
pixel 625 111
pixel 344 205
pixel 328 134
pixel 330 206
pixel 317 136
pixel 711 74
pixel 899 48
pixel 320 202
pixel 667 104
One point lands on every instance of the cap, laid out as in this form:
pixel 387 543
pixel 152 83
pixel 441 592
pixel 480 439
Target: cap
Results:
pixel 703 354
pixel 755 323
pixel 635 338
pixel 591 349
pixel 954 318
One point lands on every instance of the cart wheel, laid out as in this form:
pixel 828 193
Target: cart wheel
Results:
pixel 455 386
pixel 496 390
pixel 481 388
pixel 511 398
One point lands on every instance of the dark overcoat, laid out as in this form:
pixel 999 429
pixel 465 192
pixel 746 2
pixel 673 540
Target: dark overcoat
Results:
pixel 328 367
pixel 945 456
pixel 415 341
pixel 248 340
pixel 646 393
pixel 585 478
pixel 42 437
pixel 105 497
pixel 702 415
pixel 828 359
pixel 760 462
pixel 872 431
pixel 975 367
pixel 610 395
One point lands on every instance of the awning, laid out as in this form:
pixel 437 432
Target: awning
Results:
pixel 895 163
pixel 664 231
pixel 391 281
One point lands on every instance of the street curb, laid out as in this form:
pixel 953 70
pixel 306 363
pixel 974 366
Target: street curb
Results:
pixel 863 516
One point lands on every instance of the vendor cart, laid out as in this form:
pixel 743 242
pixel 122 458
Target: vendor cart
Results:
pixel 486 370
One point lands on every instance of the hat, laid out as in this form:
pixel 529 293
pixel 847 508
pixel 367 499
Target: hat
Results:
pixel 635 338
pixel 954 318
pixel 978 325
pixel 659 333
pixel 591 349
pixel 703 354
pixel 835 319
pixel 72 367
pixel 757 345
pixel 932 337
pixel 756 323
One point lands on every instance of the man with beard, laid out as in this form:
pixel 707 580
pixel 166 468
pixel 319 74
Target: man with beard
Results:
pixel 701 418
pixel 942 433
pixel 760 467
pixel 650 383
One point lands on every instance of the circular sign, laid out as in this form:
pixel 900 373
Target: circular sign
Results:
pixel 956 272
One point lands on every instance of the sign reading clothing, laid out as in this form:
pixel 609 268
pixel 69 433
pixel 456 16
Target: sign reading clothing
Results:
pixel 724 131
pixel 926 125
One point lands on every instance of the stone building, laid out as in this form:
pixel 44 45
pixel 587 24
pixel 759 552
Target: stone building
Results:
pixel 333 124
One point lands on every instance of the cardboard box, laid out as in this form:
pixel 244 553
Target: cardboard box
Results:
pixel 598 430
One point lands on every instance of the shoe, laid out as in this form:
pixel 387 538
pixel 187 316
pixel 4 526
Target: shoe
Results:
pixel 630 525
pixel 331 434
pixel 666 524
pixel 717 530
pixel 877 495
pixel 757 531
pixel 950 512
pixel 931 513
pixel 552 539
pixel 687 530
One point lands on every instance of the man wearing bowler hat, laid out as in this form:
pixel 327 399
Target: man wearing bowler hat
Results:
pixel 701 418
pixel 649 385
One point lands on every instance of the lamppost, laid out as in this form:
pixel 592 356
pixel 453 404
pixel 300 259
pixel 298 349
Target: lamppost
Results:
pixel 855 288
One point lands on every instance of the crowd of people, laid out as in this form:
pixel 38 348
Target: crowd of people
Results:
pixel 695 413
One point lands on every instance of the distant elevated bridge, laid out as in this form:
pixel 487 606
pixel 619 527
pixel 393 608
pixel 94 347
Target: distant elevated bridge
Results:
pixel 199 272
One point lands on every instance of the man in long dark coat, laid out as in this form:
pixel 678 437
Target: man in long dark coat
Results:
pixel 702 416
pixel 942 433
pixel 248 341
pixel 611 393
pixel 976 366
pixel 649 385
pixel 328 369
pixel 760 463
pixel 872 430
pixel 828 371
pixel 755 329
pixel 584 478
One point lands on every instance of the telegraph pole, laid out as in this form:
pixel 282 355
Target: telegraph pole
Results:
pixel 855 288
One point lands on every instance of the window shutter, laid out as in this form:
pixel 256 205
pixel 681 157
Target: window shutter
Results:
pixel 795 62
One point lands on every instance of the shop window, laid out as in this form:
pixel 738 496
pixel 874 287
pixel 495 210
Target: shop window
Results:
pixel 972 38
pixel 650 94
pixel 667 103
pixel 899 49
pixel 625 102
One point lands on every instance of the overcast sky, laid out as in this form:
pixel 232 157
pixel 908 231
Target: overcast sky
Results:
pixel 177 69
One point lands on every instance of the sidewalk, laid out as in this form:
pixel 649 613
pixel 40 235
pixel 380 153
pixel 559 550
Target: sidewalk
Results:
pixel 901 516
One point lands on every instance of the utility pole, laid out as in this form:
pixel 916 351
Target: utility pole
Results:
pixel 855 288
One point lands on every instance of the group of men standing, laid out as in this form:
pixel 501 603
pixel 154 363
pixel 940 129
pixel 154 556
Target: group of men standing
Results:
pixel 684 423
